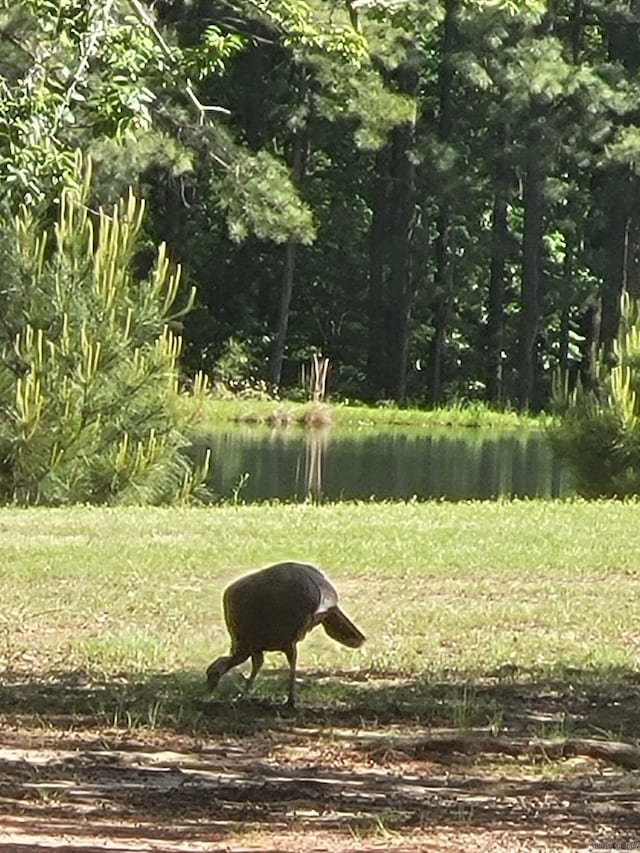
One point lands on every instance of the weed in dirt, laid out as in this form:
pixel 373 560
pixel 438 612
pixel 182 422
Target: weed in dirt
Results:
pixel 463 709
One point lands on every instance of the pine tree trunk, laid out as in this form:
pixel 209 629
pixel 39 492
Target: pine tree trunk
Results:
pixel 577 30
pixel 378 247
pixel 255 98
pixel 403 204
pixel 497 276
pixel 614 280
pixel 622 41
pixel 277 355
pixel 444 286
pixel 530 306
pixel 633 248
pixel 565 325
pixel 569 366
pixel 444 274
pixel 299 156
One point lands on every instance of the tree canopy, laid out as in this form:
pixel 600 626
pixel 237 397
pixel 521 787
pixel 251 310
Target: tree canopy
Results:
pixel 438 196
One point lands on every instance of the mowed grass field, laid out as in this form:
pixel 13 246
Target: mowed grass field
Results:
pixel 445 592
pixel 503 643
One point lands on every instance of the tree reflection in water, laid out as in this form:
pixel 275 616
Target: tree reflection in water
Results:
pixel 330 464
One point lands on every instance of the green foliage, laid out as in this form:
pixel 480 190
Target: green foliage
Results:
pixel 83 70
pixel 211 54
pixel 238 364
pixel 117 164
pixel 599 430
pixel 363 97
pixel 258 197
pixel 55 85
pixel 311 27
pixel 626 148
pixel 88 362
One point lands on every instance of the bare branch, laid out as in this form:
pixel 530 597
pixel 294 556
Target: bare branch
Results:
pixel 146 20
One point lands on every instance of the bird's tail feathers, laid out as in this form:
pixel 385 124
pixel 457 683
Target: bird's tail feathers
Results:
pixel 339 627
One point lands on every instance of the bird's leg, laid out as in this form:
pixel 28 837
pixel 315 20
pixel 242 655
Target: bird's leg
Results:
pixel 292 657
pixel 221 666
pixel 257 659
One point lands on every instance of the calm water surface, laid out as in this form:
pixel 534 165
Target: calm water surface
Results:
pixel 258 463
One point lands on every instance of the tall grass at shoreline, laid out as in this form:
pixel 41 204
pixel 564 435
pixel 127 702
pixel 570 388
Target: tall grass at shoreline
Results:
pixel 219 411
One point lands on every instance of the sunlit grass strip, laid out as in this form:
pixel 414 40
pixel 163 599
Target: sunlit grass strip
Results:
pixel 216 412
pixel 438 588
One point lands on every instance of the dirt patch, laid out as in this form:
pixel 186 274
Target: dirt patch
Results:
pixel 294 789
pixel 129 766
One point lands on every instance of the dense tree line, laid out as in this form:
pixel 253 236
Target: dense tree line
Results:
pixel 439 196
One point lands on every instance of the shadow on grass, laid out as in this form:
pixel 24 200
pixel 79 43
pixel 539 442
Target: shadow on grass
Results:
pixel 565 701
pixel 158 758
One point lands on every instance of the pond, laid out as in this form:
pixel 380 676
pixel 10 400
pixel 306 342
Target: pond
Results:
pixel 259 463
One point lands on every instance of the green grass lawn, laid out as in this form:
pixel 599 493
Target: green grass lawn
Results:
pixel 512 619
pixel 438 588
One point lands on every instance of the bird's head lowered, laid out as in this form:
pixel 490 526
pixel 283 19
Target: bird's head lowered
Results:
pixel 216 670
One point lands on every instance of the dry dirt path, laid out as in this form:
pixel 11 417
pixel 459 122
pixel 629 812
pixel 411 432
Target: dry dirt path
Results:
pixel 297 789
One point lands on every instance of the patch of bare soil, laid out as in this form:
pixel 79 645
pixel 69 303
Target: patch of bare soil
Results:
pixel 380 770
pixel 297 789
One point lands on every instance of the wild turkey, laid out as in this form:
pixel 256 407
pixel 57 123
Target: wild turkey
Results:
pixel 271 610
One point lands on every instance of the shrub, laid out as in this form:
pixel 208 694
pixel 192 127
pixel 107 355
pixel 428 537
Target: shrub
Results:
pixel 598 428
pixel 88 362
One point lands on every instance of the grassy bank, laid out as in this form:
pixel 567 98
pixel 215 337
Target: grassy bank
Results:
pixel 216 412
pixel 438 588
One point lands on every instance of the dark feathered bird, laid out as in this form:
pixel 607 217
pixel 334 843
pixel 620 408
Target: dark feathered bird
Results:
pixel 271 611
